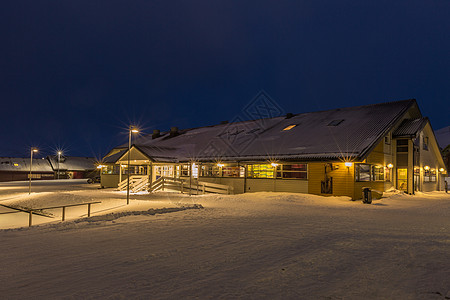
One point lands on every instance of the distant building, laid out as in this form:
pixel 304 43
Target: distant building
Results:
pixel 70 167
pixel 334 152
pixel 14 169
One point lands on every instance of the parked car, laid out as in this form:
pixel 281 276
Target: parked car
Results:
pixel 94 179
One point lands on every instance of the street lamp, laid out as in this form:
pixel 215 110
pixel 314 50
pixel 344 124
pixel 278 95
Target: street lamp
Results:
pixel 132 129
pixel 59 159
pixel 31 164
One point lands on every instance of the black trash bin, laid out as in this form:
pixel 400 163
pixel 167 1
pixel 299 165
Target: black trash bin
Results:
pixel 367 195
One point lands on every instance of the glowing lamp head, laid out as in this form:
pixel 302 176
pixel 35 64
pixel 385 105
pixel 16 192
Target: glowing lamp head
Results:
pixel 390 166
pixel 59 152
pixel 220 165
pixel 426 168
pixel 134 129
pixel 348 164
pixel 100 166
pixel 274 165
pixel 441 170
pixel 34 150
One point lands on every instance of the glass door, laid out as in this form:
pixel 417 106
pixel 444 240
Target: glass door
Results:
pixel 402 179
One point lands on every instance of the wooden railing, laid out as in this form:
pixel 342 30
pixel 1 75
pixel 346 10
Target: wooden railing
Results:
pixel 39 211
pixel 137 183
pixel 191 187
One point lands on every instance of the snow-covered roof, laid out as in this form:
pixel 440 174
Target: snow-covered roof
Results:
pixel 410 127
pixel 325 135
pixel 72 163
pixel 443 136
pixel 23 164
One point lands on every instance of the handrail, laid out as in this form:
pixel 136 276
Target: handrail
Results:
pixel 68 205
pixel 32 211
pixel 183 185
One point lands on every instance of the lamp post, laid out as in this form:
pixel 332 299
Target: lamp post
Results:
pixel 31 164
pixel 132 129
pixel 59 159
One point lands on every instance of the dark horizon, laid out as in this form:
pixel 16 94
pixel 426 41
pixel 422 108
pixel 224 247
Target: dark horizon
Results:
pixel 76 74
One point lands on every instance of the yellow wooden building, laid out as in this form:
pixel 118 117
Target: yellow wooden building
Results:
pixel 334 152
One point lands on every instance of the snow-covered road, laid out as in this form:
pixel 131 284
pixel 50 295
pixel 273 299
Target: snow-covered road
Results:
pixel 252 246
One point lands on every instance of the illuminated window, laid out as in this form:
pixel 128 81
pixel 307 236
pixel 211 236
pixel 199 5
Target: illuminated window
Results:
pixel 16 164
pixel 289 127
pixel 429 175
pixel 260 171
pixel 294 171
pixel 378 173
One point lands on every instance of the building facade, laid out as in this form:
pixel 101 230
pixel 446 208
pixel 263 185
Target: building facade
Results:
pixel 335 152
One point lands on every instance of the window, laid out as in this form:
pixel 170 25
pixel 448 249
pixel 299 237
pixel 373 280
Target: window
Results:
pixel 289 127
pixel 185 170
pixel 260 171
pixel 234 171
pixel 362 172
pixel 368 172
pixel 429 175
pixel 110 169
pixel 378 173
pixel 402 145
pixel 297 171
pixel 210 171
pixel 335 122
pixel 425 143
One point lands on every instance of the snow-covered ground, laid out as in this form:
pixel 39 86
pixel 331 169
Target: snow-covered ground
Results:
pixel 251 246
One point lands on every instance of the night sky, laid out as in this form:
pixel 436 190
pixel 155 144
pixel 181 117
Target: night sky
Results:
pixel 75 74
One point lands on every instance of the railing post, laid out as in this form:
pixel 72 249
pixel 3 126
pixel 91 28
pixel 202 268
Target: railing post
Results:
pixel 182 184
pixel 203 188
pixel 89 209
pixel 63 213
pixel 30 218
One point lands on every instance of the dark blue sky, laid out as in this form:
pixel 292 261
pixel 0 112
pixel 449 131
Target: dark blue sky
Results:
pixel 74 74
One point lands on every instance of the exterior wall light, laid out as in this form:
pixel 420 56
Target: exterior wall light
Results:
pixel 348 164
pixel 426 168
pixel 441 170
pixel 390 166
pixel 274 165
pixel 220 165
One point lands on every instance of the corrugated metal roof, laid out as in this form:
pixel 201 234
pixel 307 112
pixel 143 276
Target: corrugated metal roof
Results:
pixel 410 127
pixel 311 138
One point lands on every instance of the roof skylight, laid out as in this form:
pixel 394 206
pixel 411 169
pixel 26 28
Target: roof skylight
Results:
pixel 289 127
pixel 335 122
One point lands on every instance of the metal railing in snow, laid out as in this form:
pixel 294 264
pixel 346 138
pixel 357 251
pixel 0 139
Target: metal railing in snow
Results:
pixel 39 211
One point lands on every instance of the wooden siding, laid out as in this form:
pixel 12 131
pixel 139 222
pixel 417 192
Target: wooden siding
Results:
pixel 237 183
pixel 135 154
pixel 109 180
pixel 260 185
pixel 343 179
pixel 291 186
